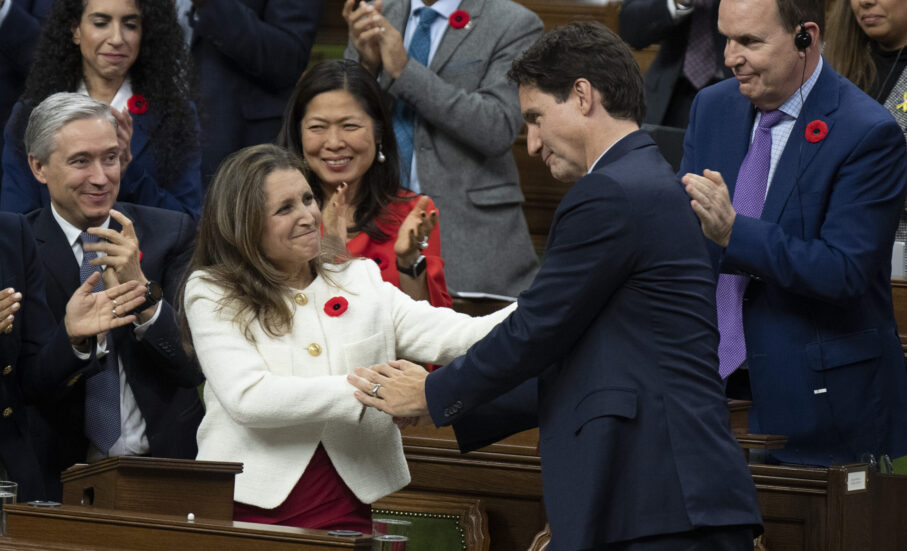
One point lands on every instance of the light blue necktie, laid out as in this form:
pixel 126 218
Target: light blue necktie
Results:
pixel 102 390
pixel 404 115
pixel 749 198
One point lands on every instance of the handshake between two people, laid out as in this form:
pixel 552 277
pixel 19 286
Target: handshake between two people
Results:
pixel 396 388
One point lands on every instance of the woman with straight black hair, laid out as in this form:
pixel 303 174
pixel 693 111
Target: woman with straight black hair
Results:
pixel 337 120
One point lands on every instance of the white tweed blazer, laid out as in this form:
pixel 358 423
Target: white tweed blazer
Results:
pixel 269 404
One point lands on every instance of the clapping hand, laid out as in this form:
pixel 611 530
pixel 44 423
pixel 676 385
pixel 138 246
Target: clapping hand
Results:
pixel 89 314
pixel 412 237
pixel 338 214
pixel 124 137
pixel 711 202
pixel 123 256
pixel 9 305
pixel 364 23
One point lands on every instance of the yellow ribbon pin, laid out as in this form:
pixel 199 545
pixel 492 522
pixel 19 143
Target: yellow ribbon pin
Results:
pixel 903 105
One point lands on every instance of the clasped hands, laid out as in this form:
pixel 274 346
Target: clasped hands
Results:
pixel 400 390
pixel 377 41
pixel 711 202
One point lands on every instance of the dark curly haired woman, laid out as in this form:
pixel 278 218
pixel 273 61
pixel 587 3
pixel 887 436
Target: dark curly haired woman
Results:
pixel 131 54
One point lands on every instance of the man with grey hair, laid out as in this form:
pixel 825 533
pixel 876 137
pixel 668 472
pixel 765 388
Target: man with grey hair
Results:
pixel 142 400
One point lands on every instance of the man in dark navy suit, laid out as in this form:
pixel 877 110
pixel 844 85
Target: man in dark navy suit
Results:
pixel 143 401
pixel 32 344
pixel 612 350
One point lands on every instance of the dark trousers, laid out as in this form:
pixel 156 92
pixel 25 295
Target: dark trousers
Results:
pixel 711 538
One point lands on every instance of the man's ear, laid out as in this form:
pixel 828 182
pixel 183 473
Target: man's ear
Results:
pixel 584 93
pixel 37 169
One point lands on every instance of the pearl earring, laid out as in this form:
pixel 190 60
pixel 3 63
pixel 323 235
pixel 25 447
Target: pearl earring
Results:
pixel 381 158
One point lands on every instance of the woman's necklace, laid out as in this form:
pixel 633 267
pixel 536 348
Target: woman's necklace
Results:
pixel 890 71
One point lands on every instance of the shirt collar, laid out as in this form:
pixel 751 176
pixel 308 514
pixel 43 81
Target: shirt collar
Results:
pixel 443 7
pixel 120 99
pixel 71 232
pixel 794 104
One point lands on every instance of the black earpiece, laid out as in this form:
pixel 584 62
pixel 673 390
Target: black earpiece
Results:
pixel 802 40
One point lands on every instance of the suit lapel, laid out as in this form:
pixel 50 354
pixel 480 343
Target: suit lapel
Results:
pixel 56 254
pixel 799 153
pixel 399 17
pixel 452 37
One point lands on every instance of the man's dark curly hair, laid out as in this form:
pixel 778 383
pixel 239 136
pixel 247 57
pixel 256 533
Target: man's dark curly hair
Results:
pixel 584 49
pixel 160 73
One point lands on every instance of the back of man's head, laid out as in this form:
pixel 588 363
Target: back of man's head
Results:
pixel 55 112
pixel 589 50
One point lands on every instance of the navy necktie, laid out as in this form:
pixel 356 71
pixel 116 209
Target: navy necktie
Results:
pixel 749 198
pixel 404 115
pixel 102 390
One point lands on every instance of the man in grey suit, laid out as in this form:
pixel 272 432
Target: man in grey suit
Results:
pixel 445 63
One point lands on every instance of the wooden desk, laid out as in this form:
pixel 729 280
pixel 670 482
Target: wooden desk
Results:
pixel 804 509
pixel 82 528
pixel 506 476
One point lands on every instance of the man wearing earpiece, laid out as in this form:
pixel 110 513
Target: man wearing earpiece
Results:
pixel 797 178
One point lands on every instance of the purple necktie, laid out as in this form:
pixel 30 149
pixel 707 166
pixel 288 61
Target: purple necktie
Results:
pixel 102 390
pixel 749 196
pixel 699 58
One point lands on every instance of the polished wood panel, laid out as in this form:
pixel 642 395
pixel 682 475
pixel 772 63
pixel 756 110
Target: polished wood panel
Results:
pixel 77 527
pixel 804 508
pixel 506 476
pixel 154 485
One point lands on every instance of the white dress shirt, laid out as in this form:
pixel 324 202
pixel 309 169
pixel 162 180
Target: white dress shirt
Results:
pixel 445 8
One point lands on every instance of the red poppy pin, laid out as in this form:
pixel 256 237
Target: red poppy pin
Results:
pixel 335 306
pixel 137 104
pixel 816 131
pixel 459 19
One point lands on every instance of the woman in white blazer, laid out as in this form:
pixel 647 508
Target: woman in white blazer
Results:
pixel 276 331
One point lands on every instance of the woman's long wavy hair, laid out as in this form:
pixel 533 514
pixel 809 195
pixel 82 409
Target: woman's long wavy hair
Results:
pixel 381 182
pixel 228 245
pixel 848 47
pixel 161 73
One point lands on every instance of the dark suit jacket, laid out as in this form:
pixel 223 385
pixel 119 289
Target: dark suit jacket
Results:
pixel 162 377
pixel 826 364
pixel 469 117
pixel 18 37
pixel 248 55
pixel 35 343
pixel 21 192
pixel 619 326
pixel 646 22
